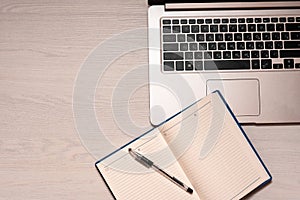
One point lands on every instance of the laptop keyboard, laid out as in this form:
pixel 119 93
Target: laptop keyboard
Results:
pixel 252 43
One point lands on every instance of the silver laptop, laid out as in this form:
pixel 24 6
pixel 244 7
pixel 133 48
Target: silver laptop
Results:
pixel 249 51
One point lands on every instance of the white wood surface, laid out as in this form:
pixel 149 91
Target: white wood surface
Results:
pixel 42 46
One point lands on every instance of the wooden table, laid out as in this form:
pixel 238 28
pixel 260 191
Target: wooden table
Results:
pixel 42 48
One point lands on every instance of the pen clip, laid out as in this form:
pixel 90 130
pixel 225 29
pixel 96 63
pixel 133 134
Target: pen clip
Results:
pixel 140 158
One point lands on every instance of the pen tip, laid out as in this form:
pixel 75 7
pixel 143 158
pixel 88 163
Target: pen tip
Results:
pixel 189 190
pixel 129 149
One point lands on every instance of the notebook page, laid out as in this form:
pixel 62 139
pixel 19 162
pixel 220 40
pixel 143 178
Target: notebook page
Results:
pixel 128 179
pixel 219 161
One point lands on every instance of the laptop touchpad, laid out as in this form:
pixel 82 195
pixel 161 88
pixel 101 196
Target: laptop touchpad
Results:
pixel 242 95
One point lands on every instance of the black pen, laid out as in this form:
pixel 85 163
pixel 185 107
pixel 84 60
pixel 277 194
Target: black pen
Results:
pixel 149 164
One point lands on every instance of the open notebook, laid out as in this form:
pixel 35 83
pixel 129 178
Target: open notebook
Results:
pixel 203 146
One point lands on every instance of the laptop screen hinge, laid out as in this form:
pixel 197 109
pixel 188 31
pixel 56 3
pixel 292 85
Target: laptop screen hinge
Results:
pixel 232 5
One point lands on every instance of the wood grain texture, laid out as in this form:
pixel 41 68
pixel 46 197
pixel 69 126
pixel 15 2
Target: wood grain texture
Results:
pixel 42 46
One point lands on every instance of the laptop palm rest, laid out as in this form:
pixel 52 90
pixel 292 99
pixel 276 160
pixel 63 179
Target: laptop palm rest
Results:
pixel 242 95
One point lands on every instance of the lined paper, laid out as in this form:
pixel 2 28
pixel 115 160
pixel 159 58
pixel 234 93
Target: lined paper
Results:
pixel 219 161
pixel 128 179
pixel 202 146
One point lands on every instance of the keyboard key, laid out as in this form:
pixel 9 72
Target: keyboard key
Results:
pixel 192 21
pixel 274 54
pixel 170 47
pixel 245 54
pixel 249 20
pixel 254 54
pixel 233 20
pixel 219 37
pixel 264 54
pixel 183 46
pixel 200 21
pixel 232 28
pixel 226 54
pixel 238 37
pixel 266 36
pixel 285 36
pixel 261 27
pixel 266 64
pixel 169 38
pixel 193 47
pixel 200 37
pixel 190 37
pixel 291 19
pixel 222 46
pixel 204 28
pixel 249 45
pixel 223 28
pixel 256 36
pixel 173 56
pixel 282 19
pixel 195 28
pixel 247 36
pixel 228 37
pixel 166 21
pixel 186 29
pixel 270 27
pixel 202 46
pixel 292 26
pixel 188 55
pixel 210 37
pixel 275 36
pixel 265 20
pixel 183 21
pixel 227 65
pixel 273 19
pixel 240 45
pixel 225 21
pixel 259 45
pixel 168 66
pixel 217 55
pixel 279 27
pixel 297 19
pixel 295 35
pixel 198 65
pixel 179 66
pixel 277 66
pixel 231 46
pixel 241 20
pixel 176 29
pixel 289 53
pixel 255 64
pixel 212 46
pixel 208 21
pixel 242 28
pixel 198 55
pixel 214 28
pixel 175 21
pixel 208 55
pixel 236 54
pixel 180 38
pixel 257 20
pixel 297 65
pixel 167 29
pixel 292 44
pixel 288 63
pixel 189 65
pixel 251 27
pixel 278 45
pixel 269 45
pixel 217 21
